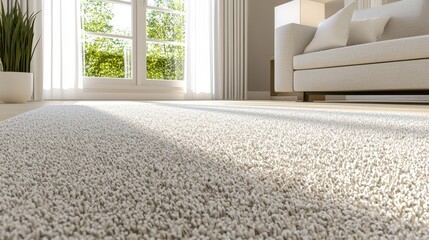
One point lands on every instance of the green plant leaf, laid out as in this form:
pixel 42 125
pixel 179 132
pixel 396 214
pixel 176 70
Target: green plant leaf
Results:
pixel 16 38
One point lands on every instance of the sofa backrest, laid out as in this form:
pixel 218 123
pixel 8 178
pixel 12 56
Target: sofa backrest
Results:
pixel 407 18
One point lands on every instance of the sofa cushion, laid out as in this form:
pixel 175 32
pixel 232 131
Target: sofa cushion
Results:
pixel 333 32
pixel 408 18
pixel 404 75
pixel 385 51
pixel 366 30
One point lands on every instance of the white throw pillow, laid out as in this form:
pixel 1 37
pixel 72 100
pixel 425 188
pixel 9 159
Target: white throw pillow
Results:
pixel 333 32
pixel 367 30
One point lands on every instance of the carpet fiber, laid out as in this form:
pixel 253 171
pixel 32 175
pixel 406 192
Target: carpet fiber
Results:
pixel 183 170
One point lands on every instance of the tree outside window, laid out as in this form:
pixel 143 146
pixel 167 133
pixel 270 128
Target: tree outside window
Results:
pixel 111 57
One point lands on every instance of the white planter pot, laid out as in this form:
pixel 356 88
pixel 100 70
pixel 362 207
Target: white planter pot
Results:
pixel 16 87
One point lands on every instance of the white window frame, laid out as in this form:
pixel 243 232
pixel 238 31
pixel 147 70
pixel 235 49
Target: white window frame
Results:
pixel 139 81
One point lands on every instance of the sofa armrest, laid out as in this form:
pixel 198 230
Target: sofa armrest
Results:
pixel 290 40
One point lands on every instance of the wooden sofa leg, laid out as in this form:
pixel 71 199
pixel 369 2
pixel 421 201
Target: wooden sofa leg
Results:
pixel 306 97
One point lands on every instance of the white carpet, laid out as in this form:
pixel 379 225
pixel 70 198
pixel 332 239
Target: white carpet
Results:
pixel 174 170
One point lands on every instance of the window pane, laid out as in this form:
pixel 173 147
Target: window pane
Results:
pixel 169 4
pixel 107 57
pixel 165 62
pixel 165 26
pixel 106 17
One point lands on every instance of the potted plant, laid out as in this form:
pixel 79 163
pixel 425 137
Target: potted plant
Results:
pixel 16 52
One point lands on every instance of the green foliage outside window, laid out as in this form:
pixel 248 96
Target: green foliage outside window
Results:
pixel 110 57
pixel 178 5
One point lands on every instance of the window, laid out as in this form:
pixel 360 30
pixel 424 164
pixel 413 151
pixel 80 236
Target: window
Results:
pixel 165 39
pixel 107 39
pixel 114 30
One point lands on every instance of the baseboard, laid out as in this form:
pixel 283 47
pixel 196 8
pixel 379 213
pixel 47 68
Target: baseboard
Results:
pixel 258 95
pixel 284 98
pixel 389 98
pixel 120 96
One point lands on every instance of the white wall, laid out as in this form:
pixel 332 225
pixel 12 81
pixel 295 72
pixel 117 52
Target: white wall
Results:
pixel 332 6
pixel 261 42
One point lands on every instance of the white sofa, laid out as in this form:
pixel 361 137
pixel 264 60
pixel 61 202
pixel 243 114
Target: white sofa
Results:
pixel 398 62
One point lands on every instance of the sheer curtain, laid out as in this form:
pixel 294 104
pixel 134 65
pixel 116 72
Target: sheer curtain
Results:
pixel 37 63
pixel 231 49
pixel 62 51
pixel 217 49
pixel 363 4
pixel 200 50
